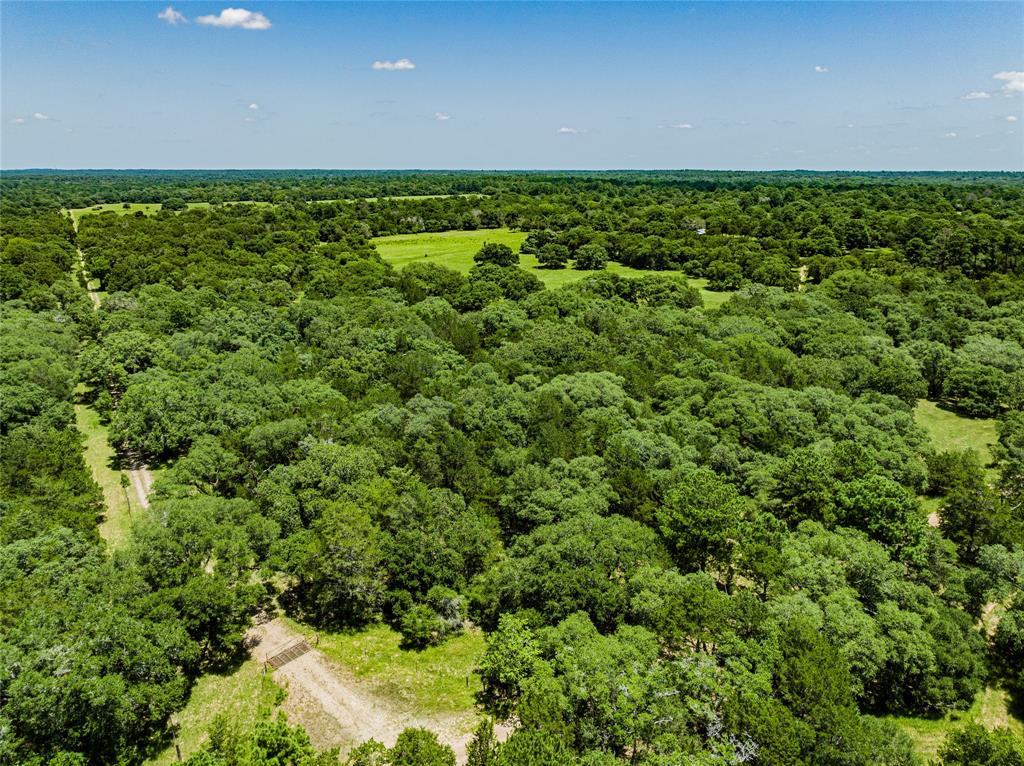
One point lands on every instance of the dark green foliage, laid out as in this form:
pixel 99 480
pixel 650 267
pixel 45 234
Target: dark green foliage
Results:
pixel 693 535
pixel 973 745
pixel 271 743
pixel 591 257
pixel 419 747
pixel 496 254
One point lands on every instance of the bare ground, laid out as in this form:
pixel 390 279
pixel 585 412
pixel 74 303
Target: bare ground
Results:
pixel 142 482
pixel 340 710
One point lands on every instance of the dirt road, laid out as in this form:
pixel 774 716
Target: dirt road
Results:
pixel 142 482
pixel 340 710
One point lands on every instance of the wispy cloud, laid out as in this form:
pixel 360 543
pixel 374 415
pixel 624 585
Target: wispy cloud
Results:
pixel 18 121
pixel 254 106
pixel 442 116
pixel 394 66
pixel 236 18
pixel 681 126
pixel 821 69
pixel 41 116
pixel 1011 118
pixel 976 95
pixel 951 134
pixel 1013 82
pixel 171 16
pixel 571 131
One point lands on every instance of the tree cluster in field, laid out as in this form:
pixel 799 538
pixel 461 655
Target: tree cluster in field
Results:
pixel 691 535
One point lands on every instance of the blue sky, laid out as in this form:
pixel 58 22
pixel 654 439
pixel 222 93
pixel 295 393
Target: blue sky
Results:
pixel 512 85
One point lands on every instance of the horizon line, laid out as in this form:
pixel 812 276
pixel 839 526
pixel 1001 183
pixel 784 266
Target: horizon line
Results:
pixel 495 170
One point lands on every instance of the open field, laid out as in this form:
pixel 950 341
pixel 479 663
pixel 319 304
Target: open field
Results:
pixel 244 696
pixel 455 250
pixel 438 680
pixel 146 208
pixel 950 431
pixel 991 709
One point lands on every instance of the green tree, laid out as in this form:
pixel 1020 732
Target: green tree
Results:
pixel 497 254
pixel 590 257
pixel 700 521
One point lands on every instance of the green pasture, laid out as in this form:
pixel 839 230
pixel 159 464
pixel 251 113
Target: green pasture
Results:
pixel 146 208
pixel 455 250
pixel 949 431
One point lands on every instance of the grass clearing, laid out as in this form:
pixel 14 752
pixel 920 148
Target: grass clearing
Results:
pixel 991 709
pixel 146 208
pixel 438 680
pixel 116 527
pixel 949 431
pixel 455 250
pixel 244 695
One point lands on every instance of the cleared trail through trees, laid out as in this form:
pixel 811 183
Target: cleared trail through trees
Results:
pixel 139 476
pixel 335 707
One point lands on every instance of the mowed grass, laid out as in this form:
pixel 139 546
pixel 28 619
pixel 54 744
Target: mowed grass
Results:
pixel 949 431
pixel 438 680
pixel 116 527
pixel 991 709
pixel 245 696
pixel 455 250
pixel 146 208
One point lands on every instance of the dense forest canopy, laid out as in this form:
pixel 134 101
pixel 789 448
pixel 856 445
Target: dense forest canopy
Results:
pixel 691 534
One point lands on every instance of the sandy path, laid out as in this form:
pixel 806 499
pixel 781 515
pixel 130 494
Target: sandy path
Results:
pixel 340 710
pixel 142 483
pixel 85 277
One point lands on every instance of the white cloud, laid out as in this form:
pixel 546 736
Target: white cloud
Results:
pixel 1011 118
pixel 394 66
pixel 1013 82
pixel 171 16
pixel 682 126
pixel 40 116
pixel 951 134
pixel 18 120
pixel 974 95
pixel 442 116
pixel 236 18
pixel 821 69
pixel 849 124
pixel 571 131
pixel 254 106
